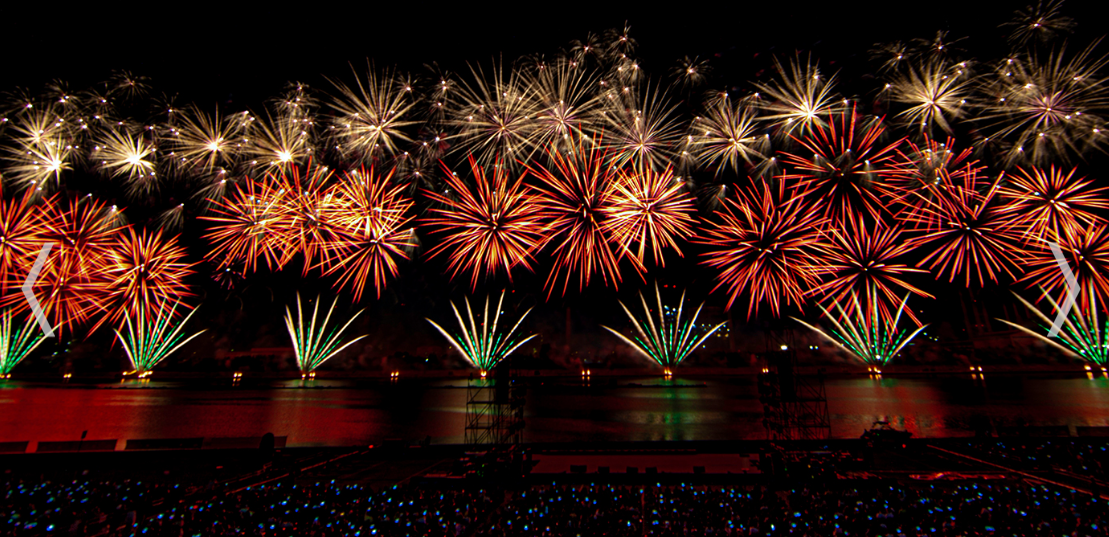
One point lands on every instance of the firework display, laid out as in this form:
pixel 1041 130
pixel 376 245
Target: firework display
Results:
pixel 16 341
pixel 862 331
pixel 935 174
pixel 315 344
pixel 666 338
pixel 1081 335
pixel 481 343
pixel 575 200
pixel 490 228
pixel 765 244
pixel 148 340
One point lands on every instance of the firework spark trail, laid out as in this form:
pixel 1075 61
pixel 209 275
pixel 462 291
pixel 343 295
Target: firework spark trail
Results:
pixel 16 342
pixel 481 344
pixel 935 94
pixel 929 165
pixel 21 235
pixel 1083 335
pixel 849 171
pixel 799 99
pixel 371 120
pixel 314 344
pixel 491 227
pixel 495 117
pixel 725 135
pixel 642 130
pixel 691 72
pixel 277 143
pixel 1047 204
pixel 207 142
pixel 246 227
pixel 43 147
pixel 575 197
pixel 122 154
pixel 669 341
pixel 85 234
pixel 567 106
pixel 1043 22
pixel 302 207
pixel 149 340
pixel 1041 109
pixel 649 208
pixel 1087 252
pixel 140 272
pixel 964 231
pixel 764 244
pixel 372 220
pixel 865 333
pixel 864 259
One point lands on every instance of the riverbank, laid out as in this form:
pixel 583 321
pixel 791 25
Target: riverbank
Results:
pixel 830 371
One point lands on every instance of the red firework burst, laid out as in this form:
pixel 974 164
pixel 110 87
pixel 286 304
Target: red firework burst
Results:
pixel 649 208
pixel 764 244
pixel 247 228
pixel 928 166
pixel 575 198
pixel 302 207
pixel 491 227
pixel 372 219
pixel 83 233
pixel 1087 252
pixel 21 237
pixel 1049 204
pixel 141 274
pixel 848 171
pixel 863 259
pixel 965 230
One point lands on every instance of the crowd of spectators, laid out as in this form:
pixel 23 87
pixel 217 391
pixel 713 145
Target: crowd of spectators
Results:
pixel 1089 460
pixel 835 508
pixel 327 509
pixel 78 507
pixel 970 509
pixel 279 508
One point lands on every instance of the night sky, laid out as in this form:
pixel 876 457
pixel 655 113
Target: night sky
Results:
pixel 218 51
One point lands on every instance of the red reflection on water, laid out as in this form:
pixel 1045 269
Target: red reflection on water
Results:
pixel 721 409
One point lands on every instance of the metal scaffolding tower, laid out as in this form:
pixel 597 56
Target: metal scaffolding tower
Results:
pixel 495 409
pixel 794 407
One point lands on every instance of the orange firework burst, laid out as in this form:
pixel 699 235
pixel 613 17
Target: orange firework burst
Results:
pixel 928 166
pixel 1086 250
pixel 1047 204
pixel 862 259
pixel 650 207
pixel 848 170
pixel 764 244
pixel 83 234
pixel 302 206
pixel 21 236
pixel 371 217
pixel 968 234
pixel 247 227
pixel 141 275
pixel 575 197
pixel 492 226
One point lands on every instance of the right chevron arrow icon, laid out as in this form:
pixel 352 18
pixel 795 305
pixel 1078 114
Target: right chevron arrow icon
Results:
pixel 1072 289
pixel 36 308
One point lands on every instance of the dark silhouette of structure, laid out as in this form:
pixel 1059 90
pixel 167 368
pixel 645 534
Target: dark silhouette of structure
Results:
pixel 794 407
pixel 495 408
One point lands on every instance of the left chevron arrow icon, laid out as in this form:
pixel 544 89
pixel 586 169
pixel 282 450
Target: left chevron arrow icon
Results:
pixel 36 308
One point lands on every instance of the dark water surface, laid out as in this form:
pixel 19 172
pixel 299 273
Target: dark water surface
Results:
pixel 346 413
